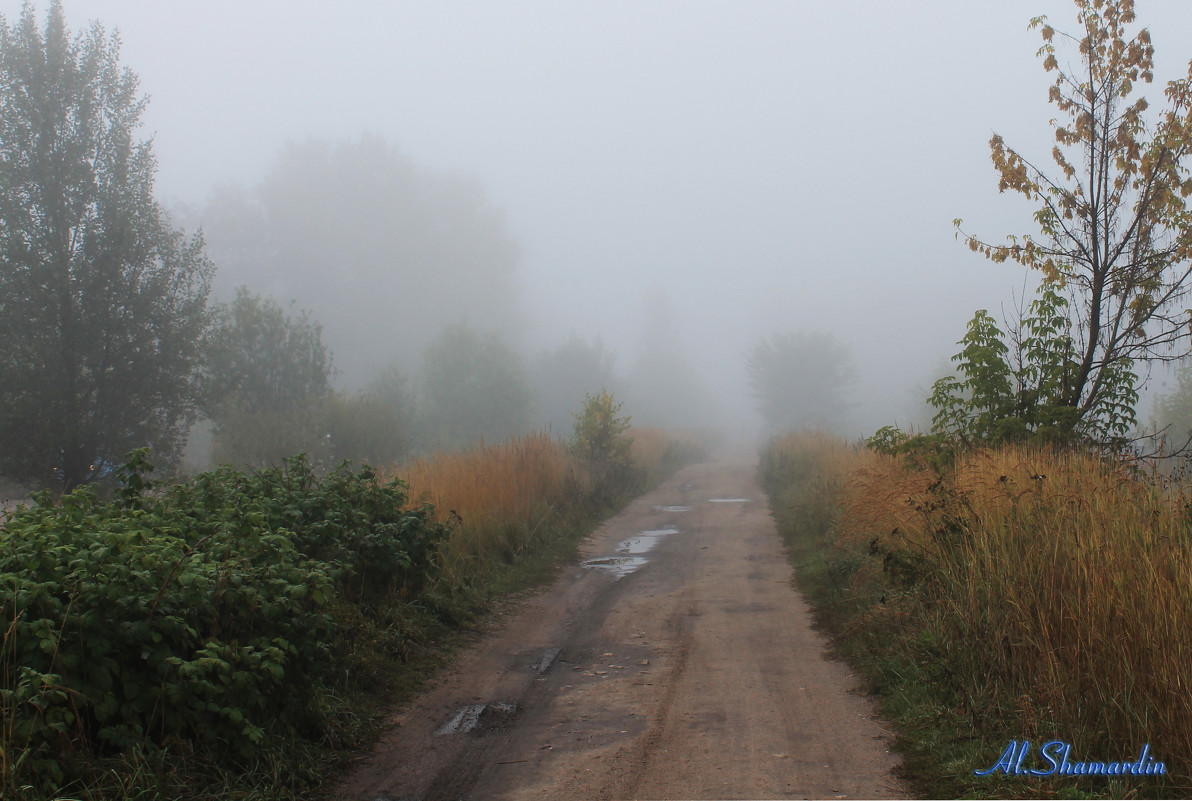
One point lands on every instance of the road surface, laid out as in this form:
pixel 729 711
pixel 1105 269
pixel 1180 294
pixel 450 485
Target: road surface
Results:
pixel 696 676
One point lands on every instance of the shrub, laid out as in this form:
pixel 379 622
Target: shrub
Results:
pixel 600 441
pixel 204 614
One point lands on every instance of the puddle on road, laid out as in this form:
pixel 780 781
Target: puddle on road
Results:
pixel 630 552
pixel 619 566
pixel 672 508
pixel 478 716
pixel 547 659
pixel 642 543
pixel 730 500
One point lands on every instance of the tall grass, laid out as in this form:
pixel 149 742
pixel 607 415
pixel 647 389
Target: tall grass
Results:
pixel 1037 594
pixel 504 496
pixel 507 497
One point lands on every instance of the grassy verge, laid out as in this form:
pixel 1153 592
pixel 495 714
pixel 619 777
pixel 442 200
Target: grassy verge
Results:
pixel 240 635
pixel 1018 595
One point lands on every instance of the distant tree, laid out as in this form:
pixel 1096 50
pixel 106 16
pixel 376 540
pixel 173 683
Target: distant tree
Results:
pixel 364 428
pixel 1116 232
pixel 801 380
pixel 602 441
pixel 600 435
pixel 391 387
pixel 1173 409
pixel 102 303
pixel 262 359
pixel 265 375
pixel 374 425
pixel 473 387
pixel 382 251
pixel 565 376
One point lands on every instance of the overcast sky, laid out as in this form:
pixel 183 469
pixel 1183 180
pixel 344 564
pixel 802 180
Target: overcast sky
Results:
pixel 765 166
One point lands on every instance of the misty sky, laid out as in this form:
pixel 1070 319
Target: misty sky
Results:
pixel 763 166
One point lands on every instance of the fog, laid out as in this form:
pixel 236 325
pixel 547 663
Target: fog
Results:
pixel 675 179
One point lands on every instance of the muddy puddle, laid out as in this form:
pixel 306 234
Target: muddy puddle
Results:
pixel 629 552
pixel 672 508
pixel 546 660
pixel 619 566
pixel 730 500
pixel 477 718
pixel 642 543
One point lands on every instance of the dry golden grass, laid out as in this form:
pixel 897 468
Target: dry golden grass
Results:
pixel 505 495
pixel 509 495
pixel 1059 583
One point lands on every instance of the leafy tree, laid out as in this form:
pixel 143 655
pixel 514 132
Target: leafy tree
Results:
pixel 801 380
pixel 473 387
pixel 102 303
pixel 601 441
pixel 1115 229
pixel 262 359
pixel 599 433
pixel 391 387
pixel 1173 410
pixel 265 378
pixel 564 377
pixel 1016 391
pixel 1010 387
pixel 363 427
pixel 387 403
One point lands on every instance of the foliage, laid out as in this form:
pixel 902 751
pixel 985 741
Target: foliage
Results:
pixel 564 376
pixel 473 387
pixel 1173 410
pixel 355 427
pixel 1023 592
pixel 267 439
pixel 601 442
pixel 801 380
pixel 102 303
pixel 922 451
pixel 233 632
pixel 265 380
pixel 364 428
pixel 1116 232
pixel 206 613
pixel 1007 394
pixel 376 246
pixel 262 359
pixel 390 387
pixel 599 435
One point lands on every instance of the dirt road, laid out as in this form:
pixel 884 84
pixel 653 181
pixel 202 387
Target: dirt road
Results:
pixel 696 676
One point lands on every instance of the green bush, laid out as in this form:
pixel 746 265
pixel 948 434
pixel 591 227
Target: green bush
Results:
pixel 205 614
pixel 602 442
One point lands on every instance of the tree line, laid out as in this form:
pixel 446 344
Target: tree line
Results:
pixel 113 337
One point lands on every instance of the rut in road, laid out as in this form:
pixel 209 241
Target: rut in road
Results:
pixel 696 675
